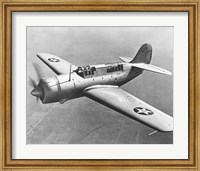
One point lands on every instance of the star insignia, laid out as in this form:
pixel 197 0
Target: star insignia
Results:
pixel 143 111
pixel 53 60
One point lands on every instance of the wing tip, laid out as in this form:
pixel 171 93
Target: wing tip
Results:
pixel 167 72
pixel 40 55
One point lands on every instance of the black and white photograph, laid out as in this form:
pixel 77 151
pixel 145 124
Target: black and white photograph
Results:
pixel 99 85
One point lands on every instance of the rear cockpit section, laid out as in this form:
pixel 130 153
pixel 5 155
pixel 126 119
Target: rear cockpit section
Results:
pixel 115 68
pixel 90 71
pixel 85 71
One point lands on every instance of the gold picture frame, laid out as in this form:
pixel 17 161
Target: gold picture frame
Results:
pixel 9 6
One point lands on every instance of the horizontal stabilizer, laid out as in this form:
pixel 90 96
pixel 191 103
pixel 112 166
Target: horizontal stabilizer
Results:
pixel 125 59
pixel 151 68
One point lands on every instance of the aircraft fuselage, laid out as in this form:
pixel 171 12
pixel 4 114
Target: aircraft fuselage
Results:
pixel 64 87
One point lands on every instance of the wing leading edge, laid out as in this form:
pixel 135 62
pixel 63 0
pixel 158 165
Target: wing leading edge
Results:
pixel 132 107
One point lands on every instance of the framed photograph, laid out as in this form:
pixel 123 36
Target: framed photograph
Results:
pixel 107 85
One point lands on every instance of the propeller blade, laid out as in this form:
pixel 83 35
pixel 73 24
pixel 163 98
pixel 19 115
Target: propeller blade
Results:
pixel 32 82
pixel 37 90
pixel 37 99
pixel 38 70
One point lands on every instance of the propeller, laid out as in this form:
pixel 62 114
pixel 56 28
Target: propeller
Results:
pixel 32 82
pixel 38 70
pixel 37 90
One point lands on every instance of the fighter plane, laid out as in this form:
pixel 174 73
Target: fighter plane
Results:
pixel 101 83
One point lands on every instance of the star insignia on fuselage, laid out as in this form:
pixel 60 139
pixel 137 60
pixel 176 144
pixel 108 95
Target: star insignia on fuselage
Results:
pixel 142 111
pixel 53 60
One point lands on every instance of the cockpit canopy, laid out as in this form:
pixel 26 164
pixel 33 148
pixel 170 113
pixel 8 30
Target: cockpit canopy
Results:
pixel 99 70
pixel 85 71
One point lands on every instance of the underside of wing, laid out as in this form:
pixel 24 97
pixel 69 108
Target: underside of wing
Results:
pixel 58 65
pixel 125 103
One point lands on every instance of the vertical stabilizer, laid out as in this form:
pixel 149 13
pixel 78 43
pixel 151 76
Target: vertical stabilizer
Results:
pixel 143 55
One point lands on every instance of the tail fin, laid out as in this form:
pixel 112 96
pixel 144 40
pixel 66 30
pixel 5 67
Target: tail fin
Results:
pixel 143 55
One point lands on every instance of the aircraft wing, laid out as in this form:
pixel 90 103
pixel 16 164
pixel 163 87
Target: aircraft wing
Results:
pixel 132 107
pixel 58 65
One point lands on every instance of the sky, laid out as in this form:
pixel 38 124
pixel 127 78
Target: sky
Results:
pixel 84 121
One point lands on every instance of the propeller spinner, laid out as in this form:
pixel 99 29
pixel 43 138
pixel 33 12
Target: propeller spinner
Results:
pixel 37 92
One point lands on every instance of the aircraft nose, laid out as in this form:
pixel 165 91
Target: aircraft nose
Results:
pixel 37 92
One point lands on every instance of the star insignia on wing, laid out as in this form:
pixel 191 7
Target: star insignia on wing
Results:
pixel 53 60
pixel 143 111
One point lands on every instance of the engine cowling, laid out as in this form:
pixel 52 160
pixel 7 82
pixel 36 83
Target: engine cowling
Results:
pixel 56 89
